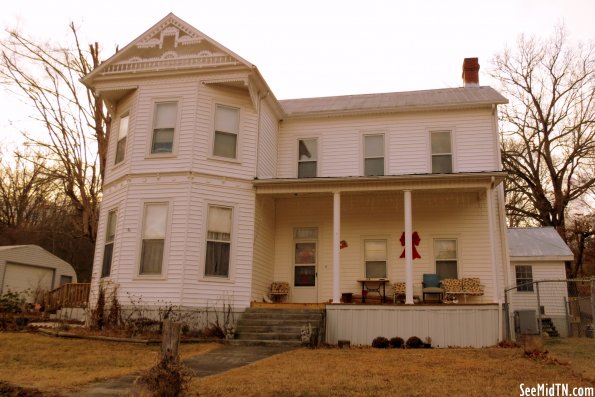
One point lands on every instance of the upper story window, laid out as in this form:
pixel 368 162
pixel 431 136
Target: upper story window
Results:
pixel 445 253
pixel 373 155
pixel 122 136
pixel 307 158
pixel 524 275
pixel 227 127
pixel 164 125
pixel 218 242
pixel 441 152
pixel 375 257
pixel 108 250
pixel 153 238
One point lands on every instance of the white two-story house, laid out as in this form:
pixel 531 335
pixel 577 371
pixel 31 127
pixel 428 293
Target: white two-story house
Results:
pixel 215 188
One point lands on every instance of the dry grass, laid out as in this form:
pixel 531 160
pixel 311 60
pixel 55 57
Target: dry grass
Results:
pixel 393 372
pixel 580 352
pixel 55 364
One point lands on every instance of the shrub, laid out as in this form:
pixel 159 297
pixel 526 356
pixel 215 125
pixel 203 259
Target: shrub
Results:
pixel 12 302
pixel 380 342
pixel 166 379
pixel 397 342
pixel 414 342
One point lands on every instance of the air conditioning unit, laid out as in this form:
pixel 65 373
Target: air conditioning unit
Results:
pixel 525 322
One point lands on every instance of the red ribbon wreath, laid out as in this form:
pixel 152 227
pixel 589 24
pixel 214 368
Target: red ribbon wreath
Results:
pixel 415 240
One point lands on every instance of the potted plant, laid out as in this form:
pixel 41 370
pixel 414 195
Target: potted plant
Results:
pixel 427 342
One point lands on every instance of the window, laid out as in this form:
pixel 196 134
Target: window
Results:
pixel 218 242
pixel 445 252
pixel 307 156
pixel 305 241
pixel 441 152
pixel 227 126
pixel 108 250
pixel 375 258
pixel 524 274
pixel 373 155
pixel 153 235
pixel 166 114
pixel 122 135
pixel 65 280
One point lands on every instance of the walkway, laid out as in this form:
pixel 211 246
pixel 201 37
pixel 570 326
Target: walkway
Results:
pixel 214 362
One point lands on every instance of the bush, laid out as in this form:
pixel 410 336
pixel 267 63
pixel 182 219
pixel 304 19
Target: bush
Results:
pixel 166 379
pixel 380 342
pixel 12 302
pixel 414 342
pixel 397 342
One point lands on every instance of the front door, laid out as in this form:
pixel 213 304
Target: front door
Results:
pixel 304 265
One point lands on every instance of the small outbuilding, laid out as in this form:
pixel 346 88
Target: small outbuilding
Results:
pixel 30 267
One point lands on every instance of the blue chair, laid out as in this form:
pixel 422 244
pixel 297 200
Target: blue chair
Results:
pixel 431 286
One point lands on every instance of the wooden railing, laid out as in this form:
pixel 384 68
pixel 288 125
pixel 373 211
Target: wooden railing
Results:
pixel 68 295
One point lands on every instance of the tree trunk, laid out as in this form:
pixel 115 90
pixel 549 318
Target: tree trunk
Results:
pixel 170 342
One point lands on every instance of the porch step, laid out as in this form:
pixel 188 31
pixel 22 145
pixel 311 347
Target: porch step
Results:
pixel 264 342
pixel 548 327
pixel 278 325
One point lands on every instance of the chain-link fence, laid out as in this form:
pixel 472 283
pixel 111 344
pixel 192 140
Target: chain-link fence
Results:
pixel 553 307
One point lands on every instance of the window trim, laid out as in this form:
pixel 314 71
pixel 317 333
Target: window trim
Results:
pixel 174 151
pixel 363 151
pixel 233 243
pixel 126 113
pixel 297 156
pixel 451 130
pixel 294 241
pixel 458 253
pixel 529 289
pixel 206 239
pixel 364 261
pixel 212 155
pixel 165 260
pixel 103 273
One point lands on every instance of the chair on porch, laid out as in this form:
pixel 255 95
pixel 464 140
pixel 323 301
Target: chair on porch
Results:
pixel 398 292
pixel 452 289
pixel 431 286
pixel 471 287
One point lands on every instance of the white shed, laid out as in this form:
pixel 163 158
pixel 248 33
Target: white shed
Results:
pixel 30 267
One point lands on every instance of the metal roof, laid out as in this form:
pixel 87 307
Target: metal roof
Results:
pixel 393 101
pixel 537 242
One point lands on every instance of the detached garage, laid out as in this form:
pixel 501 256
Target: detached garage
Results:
pixel 29 267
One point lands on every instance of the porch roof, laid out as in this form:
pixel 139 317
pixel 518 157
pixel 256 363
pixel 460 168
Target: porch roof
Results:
pixel 459 181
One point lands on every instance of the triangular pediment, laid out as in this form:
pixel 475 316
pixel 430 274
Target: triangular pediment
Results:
pixel 171 44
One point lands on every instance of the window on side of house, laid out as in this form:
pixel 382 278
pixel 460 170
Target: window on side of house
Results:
pixel 524 275
pixel 218 242
pixel 164 125
pixel 445 254
pixel 122 137
pixel 373 155
pixel 65 280
pixel 307 158
pixel 441 152
pixel 375 258
pixel 108 250
pixel 153 238
pixel 227 127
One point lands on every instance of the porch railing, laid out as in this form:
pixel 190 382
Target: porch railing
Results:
pixel 68 295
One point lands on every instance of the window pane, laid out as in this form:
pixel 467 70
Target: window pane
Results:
pixel 227 119
pixel 120 150
pixel 123 132
pixel 219 220
pixel 442 164
pixel 445 249
pixel 441 142
pixel 307 149
pixel 111 226
pixel 163 140
pixel 65 280
pixel 305 253
pixel 107 259
pixel 375 269
pixel 305 233
pixel 524 274
pixel 446 269
pixel 165 115
pixel 305 276
pixel 307 169
pixel 151 256
pixel 375 250
pixel 217 261
pixel 225 145
pixel 374 167
pixel 155 221
pixel 374 146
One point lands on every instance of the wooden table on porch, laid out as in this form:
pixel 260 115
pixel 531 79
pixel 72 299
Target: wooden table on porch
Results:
pixel 378 283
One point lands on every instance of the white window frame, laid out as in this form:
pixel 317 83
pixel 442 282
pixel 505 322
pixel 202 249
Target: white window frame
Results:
pixel 451 132
pixel 363 150
pixel 230 242
pixel 365 259
pixel 237 133
pixel 316 160
pixel 456 260
pixel 176 128
pixel 305 240
pixel 526 288
pixel 164 261
pixel 126 115
pixel 109 240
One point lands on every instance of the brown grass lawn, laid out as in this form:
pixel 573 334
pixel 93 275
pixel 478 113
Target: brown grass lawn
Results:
pixel 56 364
pixel 373 372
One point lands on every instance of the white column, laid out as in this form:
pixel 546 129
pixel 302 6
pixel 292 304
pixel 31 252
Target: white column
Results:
pixel 336 247
pixel 408 249
pixel 492 232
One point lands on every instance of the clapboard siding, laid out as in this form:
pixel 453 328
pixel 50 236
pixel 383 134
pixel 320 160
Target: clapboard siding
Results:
pixel 264 247
pixel 116 171
pixel 407 142
pixel 267 146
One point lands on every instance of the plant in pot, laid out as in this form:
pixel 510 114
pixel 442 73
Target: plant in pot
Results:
pixel 427 342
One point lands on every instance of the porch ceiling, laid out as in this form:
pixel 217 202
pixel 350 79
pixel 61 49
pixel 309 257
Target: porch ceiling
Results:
pixel 427 182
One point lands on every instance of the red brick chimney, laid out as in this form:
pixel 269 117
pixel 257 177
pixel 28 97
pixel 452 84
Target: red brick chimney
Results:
pixel 471 72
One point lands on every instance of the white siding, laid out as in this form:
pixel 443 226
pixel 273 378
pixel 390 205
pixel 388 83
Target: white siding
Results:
pixel 267 147
pixel 264 247
pixel 406 137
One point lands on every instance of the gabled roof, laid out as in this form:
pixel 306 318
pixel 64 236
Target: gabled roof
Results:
pixel 538 242
pixel 446 98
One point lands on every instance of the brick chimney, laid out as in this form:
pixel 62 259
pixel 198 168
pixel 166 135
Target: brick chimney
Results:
pixel 471 72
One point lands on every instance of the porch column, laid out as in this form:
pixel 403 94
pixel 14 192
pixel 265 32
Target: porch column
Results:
pixel 336 247
pixel 491 231
pixel 408 249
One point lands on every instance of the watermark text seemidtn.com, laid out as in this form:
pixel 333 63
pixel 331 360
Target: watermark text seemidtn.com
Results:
pixel 554 390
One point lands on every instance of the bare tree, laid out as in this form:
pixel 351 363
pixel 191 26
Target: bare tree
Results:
pixel 581 237
pixel 74 121
pixel 548 128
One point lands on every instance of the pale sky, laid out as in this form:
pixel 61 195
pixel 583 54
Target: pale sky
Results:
pixel 311 48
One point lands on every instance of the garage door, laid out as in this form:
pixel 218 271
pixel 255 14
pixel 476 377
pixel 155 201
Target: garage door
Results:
pixel 19 277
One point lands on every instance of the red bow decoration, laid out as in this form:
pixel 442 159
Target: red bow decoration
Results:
pixel 415 240
pixel 343 244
